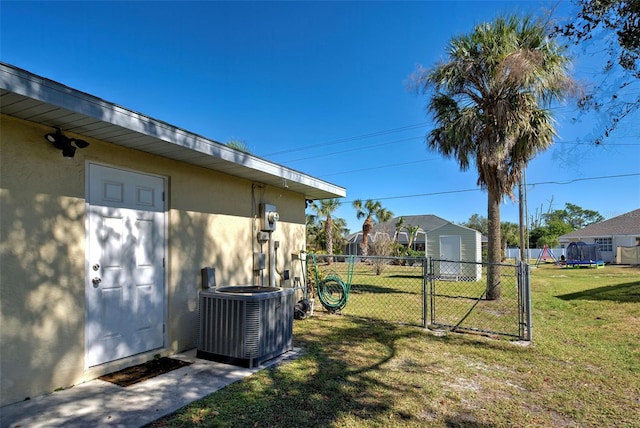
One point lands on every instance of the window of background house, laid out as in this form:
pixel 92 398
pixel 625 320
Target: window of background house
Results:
pixel 605 244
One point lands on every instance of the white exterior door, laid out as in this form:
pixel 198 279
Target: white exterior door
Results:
pixel 124 288
pixel 450 250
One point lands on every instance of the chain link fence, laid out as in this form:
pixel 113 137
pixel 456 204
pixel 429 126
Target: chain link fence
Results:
pixel 438 294
pixel 457 294
pixel 385 288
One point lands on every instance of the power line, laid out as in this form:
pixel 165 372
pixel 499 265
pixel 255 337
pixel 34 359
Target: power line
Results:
pixel 399 129
pixel 370 146
pixel 348 139
pixel 381 132
pixel 583 179
pixel 353 150
pixel 449 192
pixel 378 167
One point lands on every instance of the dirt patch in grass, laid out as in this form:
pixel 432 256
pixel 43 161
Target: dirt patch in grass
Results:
pixel 148 370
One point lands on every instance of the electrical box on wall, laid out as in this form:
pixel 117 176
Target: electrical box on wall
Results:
pixel 269 216
pixel 258 261
pixel 208 277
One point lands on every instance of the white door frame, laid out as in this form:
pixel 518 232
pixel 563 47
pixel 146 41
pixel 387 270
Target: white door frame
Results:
pixel 456 240
pixel 165 249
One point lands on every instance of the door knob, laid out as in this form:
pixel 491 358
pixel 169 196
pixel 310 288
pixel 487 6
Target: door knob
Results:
pixel 96 280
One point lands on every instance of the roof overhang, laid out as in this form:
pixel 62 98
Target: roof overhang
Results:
pixel 36 99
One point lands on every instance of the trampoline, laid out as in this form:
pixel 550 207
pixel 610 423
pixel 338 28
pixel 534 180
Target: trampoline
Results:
pixel 581 254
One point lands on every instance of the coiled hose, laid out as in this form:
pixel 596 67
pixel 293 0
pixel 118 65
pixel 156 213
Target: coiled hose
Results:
pixel 332 291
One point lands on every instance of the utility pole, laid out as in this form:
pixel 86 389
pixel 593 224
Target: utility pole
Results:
pixel 521 205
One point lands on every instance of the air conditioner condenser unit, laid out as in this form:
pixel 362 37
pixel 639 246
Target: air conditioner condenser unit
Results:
pixel 245 329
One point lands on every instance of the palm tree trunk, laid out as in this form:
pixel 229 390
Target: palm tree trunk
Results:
pixel 494 247
pixel 329 225
pixel 366 229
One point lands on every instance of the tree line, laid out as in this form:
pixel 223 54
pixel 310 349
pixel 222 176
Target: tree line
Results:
pixel 325 233
pixel 329 234
pixel 544 228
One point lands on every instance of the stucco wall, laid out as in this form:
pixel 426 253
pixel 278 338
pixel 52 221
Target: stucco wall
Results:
pixel 42 250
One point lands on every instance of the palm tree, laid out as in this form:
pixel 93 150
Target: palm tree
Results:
pixel 371 211
pixel 509 233
pixel 413 230
pixel 490 105
pixel 325 209
pixel 312 231
pixel 239 145
pixel 399 227
pixel 397 247
pixel 340 230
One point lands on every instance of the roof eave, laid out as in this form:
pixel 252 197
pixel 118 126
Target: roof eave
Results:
pixel 37 99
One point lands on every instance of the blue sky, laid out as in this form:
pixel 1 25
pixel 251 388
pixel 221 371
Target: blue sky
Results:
pixel 320 87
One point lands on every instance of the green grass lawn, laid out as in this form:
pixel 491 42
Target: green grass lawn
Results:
pixel 583 369
pixel 394 295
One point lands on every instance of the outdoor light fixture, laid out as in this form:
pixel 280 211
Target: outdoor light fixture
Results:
pixel 69 152
pixel 66 144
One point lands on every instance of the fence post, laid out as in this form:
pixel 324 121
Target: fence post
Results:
pixel 524 284
pixel 425 275
pixel 529 315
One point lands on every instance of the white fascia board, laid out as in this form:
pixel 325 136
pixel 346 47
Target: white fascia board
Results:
pixel 47 91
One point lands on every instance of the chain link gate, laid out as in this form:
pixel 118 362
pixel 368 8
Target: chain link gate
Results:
pixel 432 293
pixel 457 301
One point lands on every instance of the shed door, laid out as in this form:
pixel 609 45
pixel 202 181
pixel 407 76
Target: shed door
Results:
pixel 124 288
pixel 450 250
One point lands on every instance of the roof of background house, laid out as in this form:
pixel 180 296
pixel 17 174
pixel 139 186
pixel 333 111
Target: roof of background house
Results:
pixel 426 223
pixel 625 224
pixel 36 99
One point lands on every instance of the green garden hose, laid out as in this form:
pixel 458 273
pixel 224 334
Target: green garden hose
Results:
pixel 332 291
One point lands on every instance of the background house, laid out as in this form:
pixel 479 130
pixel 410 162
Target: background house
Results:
pixel 388 230
pixel 612 234
pixel 100 253
pixel 437 237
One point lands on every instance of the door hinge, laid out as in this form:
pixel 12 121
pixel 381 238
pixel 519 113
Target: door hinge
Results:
pixel 162 196
pixel 163 263
pixel 164 328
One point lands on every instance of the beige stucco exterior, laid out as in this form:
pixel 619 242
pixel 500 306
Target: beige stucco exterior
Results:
pixel 210 222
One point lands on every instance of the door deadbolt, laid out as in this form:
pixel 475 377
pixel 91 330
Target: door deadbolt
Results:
pixel 96 267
